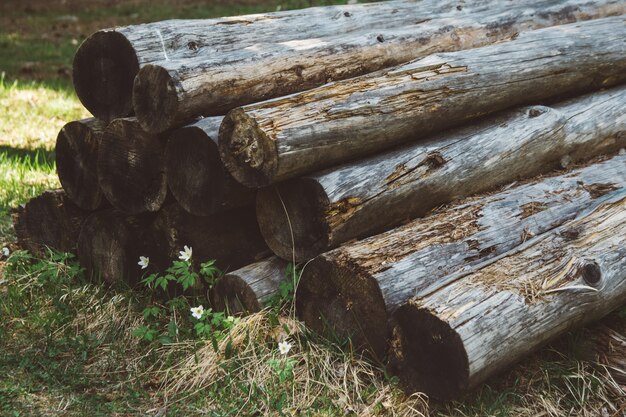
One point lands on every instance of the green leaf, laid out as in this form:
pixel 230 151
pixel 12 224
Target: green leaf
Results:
pixel 153 311
pixel 172 329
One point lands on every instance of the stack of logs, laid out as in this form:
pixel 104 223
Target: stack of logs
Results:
pixel 311 132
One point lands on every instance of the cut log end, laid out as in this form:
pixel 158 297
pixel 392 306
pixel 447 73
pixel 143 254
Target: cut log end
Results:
pixel 194 171
pixel 104 68
pixel 110 244
pixel 131 168
pixel 334 301
pixel 155 99
pixel 102 248
pixel 77 157
pixel 248 153
pixel 234 296
pixel 49 220
pixel 427 354
pixel 293 226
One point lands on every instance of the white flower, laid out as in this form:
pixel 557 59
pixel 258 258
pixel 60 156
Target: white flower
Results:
pixel 185 255
pixel 6 252
pixel 197 312
pixel 143 262
pixel 284 347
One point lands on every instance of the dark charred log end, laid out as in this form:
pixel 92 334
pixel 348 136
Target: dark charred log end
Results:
pixel 293 208
pixel 194 171
pixel 155 99
pixel 111 242
pixel 49 220
pixel 77 164
pixel 103 72
pixel 249 155
pixel 342 305
pixel 591 272
pixel 131 170
pixel 232 237
pixel 231 294
pixel 427 355
pixel 102 248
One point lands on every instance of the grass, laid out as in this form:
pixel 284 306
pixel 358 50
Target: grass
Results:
pixel 70 347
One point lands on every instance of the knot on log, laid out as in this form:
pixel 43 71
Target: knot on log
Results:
pixel 590 272
pixel 536 111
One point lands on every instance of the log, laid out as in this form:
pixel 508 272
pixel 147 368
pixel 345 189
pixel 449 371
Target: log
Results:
pixel 111 242
pixel 131 167
pixel 232 237
pixel 372 195
pixel 247 289
pixel 455 338
pixel 170 93
pixel 50 220
pixel 280 139
pixel 195 173
pixel 350 291
pixel 107 62
pixel 77 162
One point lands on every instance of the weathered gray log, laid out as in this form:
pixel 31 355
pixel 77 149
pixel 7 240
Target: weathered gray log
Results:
pixel 454 339
pixel 352 290
pixel 195 173
pixel 232 237
pixel 276 140
pixel 111 242
pixel 171 93
pixel 247 289
pixel 106 63
pixel 77 162
pixel 131 167
pixel 366 197
pixel 50 220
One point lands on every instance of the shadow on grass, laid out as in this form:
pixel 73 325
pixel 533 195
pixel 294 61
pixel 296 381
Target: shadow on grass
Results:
pixel 30 157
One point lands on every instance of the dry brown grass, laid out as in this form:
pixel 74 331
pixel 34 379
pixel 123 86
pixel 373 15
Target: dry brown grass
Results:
pixel 319 371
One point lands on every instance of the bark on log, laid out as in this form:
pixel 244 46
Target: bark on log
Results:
pixel 50 220
pixel 284 138
pixel 111 242
pixel 369 196
pixel 171 93
pixel 131 167
pixel 232 238
pixel 77 162
pixel 452 340
pixel 106 64
pixel 247 289
pixel 195 173
pixel 352 290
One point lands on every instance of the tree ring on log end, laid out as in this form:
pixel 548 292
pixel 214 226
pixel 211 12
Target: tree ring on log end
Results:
pixel 248 153
pixel 340 304
pixel 427 354
pixel 305 203
pixel 155 99
pixel 103 72
pixel 131 168
pixel 194 170
pixel 76 159
pixel 233 295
